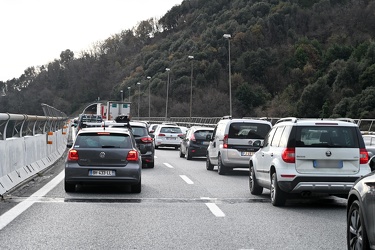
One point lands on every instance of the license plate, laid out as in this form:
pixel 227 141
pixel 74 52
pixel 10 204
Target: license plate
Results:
pixel 171 138
pixel 102 173
pixel 247 153
pixel 205 142
pixel 327 164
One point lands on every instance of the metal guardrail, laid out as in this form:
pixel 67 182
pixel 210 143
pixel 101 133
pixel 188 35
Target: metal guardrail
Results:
pixel 20 125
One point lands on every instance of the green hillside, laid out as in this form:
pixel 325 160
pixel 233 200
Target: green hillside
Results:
pixel 305 58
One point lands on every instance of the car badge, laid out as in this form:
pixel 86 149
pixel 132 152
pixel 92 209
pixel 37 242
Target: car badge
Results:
pixel 102 155
pixel 328 153
pixel 250 142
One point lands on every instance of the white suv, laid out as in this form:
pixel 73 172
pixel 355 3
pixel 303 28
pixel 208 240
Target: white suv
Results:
pixel 234 141
pixel 305 156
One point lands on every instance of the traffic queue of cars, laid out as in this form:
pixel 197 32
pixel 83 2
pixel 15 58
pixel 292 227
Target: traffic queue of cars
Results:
pixel 292 158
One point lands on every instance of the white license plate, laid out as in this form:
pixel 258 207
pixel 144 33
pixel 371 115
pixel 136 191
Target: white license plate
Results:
pixel 171 138
pixel 247 153
pixel 205 142
pixel 102 173
pixel 327 164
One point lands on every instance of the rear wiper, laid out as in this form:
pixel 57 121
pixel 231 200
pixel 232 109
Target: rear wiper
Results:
pixel 108 146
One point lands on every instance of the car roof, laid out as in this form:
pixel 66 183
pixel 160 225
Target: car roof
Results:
pixel 246 120
pixel 314 122
pixel 104 129
pixel 141 124
pixel 201 127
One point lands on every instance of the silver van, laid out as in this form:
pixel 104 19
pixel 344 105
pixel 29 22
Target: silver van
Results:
pixel 234 141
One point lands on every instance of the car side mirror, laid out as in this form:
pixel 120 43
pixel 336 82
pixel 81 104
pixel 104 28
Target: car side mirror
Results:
pixel 371 163
pixel 208 137
pixel 69 144
pixel 258 143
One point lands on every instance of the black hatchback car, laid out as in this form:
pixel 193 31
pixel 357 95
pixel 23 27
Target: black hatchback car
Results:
pixel 103 156
pixel 361 214
pixel 143 139
pixel 194 143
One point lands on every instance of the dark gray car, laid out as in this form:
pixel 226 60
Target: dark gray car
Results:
pixel 103 156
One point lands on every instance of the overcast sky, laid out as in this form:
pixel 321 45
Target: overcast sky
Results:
pixel 35 32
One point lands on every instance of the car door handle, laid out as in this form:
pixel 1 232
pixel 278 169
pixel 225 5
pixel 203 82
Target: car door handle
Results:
pixel 271 154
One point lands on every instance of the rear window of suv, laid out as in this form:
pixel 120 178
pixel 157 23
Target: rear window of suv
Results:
pixel 103 140
pixel 172 130
pixel 248 130
pixel 202 134
pixel 326 136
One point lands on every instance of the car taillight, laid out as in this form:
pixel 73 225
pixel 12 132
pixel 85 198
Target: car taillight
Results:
pixel 146 139
pixel 363 156
pixel 132 155
pixel 161 134
pixel 192 137
pixel 73 155
pixel 225 141
pixel 289 155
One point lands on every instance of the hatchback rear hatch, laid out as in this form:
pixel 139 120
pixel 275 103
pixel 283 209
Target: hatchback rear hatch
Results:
pixel 327 150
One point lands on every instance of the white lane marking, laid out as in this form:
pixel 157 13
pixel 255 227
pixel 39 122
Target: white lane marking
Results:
pixel 10 215
pixel 215 209
pixel 186 179
pixel 168 165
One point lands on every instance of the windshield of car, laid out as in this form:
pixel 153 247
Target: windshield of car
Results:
pixel 102 140
pixel 248 130
pixel 172 130
pixel 327 136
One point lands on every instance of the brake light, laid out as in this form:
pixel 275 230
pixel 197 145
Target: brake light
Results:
pixel 161 134
pixel 225 141
pixel 289 155
pixel 73 155
pixel 192 137
pixel 146 139
pixel 132 155
pixel 363 156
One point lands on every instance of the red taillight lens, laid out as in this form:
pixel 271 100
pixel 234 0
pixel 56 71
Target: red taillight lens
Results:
pixel 289 155
pixel 73 155
pixel 192 137
pixel 161 134
pixel 146 139
pixel 363 156
pixel 225 141
pixel 132 155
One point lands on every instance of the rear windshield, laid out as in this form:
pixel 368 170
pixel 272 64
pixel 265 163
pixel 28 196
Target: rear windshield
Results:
pixel 139 131
pixel 202 134
pixel 107 140
pixel 327 136
pixel 173 130
pixel 248 130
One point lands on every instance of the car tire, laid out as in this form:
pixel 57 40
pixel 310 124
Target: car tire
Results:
pixel 209 166
pixel 176 148
pixel 136 188
pixel 278 196
pixel 156 147
pixel 253 183
pixel 187 155
pixel 150 164
pixel 181 154
pixel 356 234
pixel 69 187
pixel 221 169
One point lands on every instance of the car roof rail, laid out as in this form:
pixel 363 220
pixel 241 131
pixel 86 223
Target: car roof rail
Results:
pixel 226 117
pixel 287 119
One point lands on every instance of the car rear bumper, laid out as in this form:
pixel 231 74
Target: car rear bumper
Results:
pixel 130 174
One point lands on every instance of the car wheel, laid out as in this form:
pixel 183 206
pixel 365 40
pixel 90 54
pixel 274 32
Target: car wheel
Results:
pixel 356 231
pixel 221 169
pixel 150 164
pixel 209 166
pixel 188 156
pixel 253 184
pixel 278 196
pixel 137 187
pixel 182 155
pixel 176 148
pixel 69 187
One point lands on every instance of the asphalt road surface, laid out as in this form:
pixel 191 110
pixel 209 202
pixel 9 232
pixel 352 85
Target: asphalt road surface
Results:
pixel 181 206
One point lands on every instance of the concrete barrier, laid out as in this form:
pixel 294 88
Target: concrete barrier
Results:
pixel 23 157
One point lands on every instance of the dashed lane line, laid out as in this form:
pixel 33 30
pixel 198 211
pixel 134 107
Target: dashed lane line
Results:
pixel 186 179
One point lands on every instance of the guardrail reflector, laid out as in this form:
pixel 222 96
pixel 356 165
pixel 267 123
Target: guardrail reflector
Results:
pixel 49 142
pixel 50 133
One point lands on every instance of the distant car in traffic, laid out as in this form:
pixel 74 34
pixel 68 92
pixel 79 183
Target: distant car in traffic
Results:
pixel 103 155
pixel 360 226
pixel 195 142
pixel 167 136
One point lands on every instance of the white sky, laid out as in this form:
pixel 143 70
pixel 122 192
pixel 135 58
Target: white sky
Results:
pixel 35 32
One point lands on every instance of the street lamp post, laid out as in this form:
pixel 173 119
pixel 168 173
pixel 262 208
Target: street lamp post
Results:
pixel 129 92
pixel 122 95
pixel 228 36
pixel 149 98
pixel 166 101
pixel 191 84
pixel 139 96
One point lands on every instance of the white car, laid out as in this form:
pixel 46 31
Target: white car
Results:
pixel 308 156
pixel 167 136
